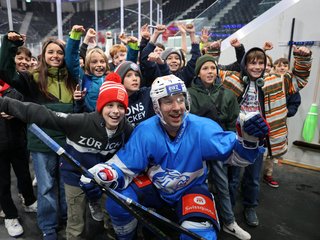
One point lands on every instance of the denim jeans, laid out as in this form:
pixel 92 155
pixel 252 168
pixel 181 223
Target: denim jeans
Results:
pixel 250 184
pixel 46 167
pixel 218 176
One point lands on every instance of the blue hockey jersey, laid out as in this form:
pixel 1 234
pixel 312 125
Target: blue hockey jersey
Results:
pixel 175 165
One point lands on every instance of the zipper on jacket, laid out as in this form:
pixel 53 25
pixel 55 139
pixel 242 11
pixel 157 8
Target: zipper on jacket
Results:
pixel 59 84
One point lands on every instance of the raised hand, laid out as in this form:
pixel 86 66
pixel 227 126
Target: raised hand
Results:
pixel 13 36
pixel 182 28
pixel 190 28
pixel 302 51
pixel 204 37
pixel 90 36
pixel 234 42
pixel 267 46
pixel 155 57
pixel 145 32
pixel 78 28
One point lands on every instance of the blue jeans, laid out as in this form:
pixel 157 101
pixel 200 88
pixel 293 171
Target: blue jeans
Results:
pixel 219 177
pixel 46 167
pixel 250 184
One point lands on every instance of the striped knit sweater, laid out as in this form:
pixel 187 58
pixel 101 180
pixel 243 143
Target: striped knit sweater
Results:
pixel 275 89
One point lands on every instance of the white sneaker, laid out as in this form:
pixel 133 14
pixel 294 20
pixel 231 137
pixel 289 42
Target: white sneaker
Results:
pixel 236 231
pixel 96 211
pixel 13 227
pixel 34 182
pixel 31 208
pixel 2 214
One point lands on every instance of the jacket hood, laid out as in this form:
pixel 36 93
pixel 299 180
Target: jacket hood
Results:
pixel 244 60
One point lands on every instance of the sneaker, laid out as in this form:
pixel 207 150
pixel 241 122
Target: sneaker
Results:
pixel 34 182
pixel 251 217
pixel 96 211
pixel 2 214
pixel 50 236
pixel 13 227
pixel 269 180
pixel 235 230
pixel 31 208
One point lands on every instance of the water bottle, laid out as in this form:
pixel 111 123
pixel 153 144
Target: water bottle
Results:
pixel 310 123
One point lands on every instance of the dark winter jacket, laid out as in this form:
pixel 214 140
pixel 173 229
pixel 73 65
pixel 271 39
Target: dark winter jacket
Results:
pixel 151 70
pixel 87 140
pixel 186 73
pixel 217 103
pixel 293 103
pixel 13 133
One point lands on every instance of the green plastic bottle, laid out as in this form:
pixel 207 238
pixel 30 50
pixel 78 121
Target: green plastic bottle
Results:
pixel 310 124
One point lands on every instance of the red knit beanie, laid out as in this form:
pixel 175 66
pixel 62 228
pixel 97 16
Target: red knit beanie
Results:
pixel 111 91
pixel 114 77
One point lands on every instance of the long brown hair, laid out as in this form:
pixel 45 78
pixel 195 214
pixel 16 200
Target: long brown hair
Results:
pixel 43 72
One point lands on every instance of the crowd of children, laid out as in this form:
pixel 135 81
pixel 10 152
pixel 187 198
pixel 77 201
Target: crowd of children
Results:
pixel 140 112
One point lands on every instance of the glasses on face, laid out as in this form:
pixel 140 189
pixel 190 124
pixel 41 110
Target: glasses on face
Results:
pixel 169 101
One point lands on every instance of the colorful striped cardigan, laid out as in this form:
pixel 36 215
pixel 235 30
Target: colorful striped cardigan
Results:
pixel 275 90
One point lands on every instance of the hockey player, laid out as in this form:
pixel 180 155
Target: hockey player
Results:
pixel 172 149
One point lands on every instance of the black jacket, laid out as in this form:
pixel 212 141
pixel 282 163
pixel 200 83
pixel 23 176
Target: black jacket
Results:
pixel 87 139
pixel 13 133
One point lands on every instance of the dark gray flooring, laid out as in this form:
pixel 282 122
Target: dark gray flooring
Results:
pixel 291 212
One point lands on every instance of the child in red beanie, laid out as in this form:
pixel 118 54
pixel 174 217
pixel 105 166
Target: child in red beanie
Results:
pixel 92 138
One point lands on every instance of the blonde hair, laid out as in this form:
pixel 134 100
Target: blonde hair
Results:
pixel 88 59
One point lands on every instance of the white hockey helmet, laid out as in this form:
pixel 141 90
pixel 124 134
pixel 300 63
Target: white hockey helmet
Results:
pixel 167 86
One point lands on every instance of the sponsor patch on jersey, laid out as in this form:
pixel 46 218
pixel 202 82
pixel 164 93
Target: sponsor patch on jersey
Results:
pixel 198 203
pixel 142 181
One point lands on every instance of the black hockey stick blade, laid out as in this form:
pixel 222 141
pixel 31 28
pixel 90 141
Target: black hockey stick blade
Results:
pixel 145 215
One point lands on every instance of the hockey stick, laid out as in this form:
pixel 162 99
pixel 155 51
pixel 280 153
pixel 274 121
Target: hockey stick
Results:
pixel 136 209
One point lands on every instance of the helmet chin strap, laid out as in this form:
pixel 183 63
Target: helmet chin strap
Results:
pixel 164 123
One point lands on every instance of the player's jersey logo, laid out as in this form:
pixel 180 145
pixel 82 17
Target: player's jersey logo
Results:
pixel 171 180
pixel 199 200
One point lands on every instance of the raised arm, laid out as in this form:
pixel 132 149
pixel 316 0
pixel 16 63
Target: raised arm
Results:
pixel 72 51
pixel 149 60
pixel 8 73
pixel 298 78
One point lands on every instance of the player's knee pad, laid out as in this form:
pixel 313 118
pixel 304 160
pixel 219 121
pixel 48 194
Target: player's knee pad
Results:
pixel 124 224
pixel 125 231
pixel 203 229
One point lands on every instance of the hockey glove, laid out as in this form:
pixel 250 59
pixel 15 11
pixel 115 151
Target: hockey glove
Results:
pixel 104 175
pixel 251 129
